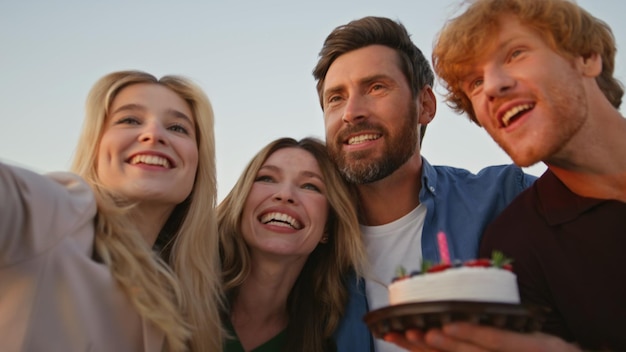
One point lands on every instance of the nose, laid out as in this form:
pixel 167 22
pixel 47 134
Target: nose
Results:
pixel 285 193
pixel 497 82
pixel 153 132
pixel 355 109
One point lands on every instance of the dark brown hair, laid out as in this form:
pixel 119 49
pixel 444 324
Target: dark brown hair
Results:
pixel 318 298
pixel 375 31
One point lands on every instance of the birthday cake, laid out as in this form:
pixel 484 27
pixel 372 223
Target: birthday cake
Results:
pixel 479 280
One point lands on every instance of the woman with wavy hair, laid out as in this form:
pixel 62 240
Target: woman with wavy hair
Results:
pixel 289 239
pixel 128 261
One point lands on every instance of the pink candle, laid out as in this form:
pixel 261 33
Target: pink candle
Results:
pixel 443 247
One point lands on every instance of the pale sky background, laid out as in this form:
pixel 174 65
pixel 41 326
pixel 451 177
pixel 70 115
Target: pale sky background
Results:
pixel 253 58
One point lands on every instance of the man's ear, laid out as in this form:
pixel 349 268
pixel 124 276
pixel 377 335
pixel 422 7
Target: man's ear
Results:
pixel 427 105
pixel 590 65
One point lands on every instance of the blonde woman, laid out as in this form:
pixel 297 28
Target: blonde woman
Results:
pixel 127 261
pixel 290 238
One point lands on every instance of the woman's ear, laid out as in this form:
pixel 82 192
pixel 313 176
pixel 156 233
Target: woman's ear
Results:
pixel 324 238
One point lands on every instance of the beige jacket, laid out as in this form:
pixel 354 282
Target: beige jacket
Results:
pixel 53 296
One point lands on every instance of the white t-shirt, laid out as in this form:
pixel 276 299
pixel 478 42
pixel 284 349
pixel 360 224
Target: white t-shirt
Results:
pixel 389 246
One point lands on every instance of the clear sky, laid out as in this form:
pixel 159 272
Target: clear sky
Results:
pixel 253 58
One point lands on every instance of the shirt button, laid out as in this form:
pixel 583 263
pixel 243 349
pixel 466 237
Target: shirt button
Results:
pixel 432 189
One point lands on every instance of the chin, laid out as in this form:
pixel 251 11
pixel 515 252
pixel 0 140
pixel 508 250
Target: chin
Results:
pixel 525 160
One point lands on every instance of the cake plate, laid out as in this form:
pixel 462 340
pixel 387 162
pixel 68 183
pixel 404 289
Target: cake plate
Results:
pixel 428 315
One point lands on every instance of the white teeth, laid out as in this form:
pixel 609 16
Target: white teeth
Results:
pixel 280 219
pixel 150 160
pixel 506 118
pixel 363 138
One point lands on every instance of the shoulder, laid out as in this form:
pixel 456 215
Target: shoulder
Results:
pixel 506 177
pixel 516 227
pixel 28 188
pixel 74 187
pixel 33 186
pixel 503 173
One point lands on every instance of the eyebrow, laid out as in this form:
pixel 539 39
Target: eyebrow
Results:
pixel 180 115
pixel 129 107
pixel 363 81
pixel 138 107
pixel 474 66
pixel 310 174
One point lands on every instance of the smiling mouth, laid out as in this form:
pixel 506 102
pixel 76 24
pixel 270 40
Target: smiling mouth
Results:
pixel 514 113
pixel 363 138
pixel 150 160
pixel 280 219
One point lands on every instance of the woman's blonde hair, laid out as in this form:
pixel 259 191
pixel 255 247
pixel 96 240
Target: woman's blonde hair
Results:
pixel 180 290
pixel 317 301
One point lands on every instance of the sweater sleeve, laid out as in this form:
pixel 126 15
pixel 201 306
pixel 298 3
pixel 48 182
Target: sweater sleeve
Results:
pixel 37 211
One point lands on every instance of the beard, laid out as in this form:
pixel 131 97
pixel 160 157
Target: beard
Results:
pixel 360 167
pixel 564 109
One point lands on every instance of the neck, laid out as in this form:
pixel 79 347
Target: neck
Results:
pixel 593 163
pixel 259 311
pixel 265 290
pixel 394 196
pixel 150 219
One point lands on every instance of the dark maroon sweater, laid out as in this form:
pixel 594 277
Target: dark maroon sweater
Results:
pixel 567 253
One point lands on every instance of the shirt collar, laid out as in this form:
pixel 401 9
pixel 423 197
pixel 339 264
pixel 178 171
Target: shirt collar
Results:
pixel 429 177
pixel 557 203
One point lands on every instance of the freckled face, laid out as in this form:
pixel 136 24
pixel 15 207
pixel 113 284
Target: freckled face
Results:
pixel 530 99
pixel 286 211
pixel 148 150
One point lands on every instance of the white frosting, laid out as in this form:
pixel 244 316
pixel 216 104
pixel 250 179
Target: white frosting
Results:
pixel 478 284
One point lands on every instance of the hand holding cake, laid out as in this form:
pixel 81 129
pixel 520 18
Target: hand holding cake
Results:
pixel 482 291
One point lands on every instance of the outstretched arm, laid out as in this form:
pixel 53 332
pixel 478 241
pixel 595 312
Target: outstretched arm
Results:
pixel 36 211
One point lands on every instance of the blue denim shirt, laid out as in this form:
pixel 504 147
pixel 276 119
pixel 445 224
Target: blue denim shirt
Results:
pixel 459 203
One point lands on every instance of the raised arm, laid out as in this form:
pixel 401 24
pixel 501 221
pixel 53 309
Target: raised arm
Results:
pixel 36 211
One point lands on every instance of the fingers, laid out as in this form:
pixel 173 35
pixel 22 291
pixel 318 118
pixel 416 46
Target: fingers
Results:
pixel 400 341
pixel 436 338
pixel 411 340
pixel 465 337
pixel 414 335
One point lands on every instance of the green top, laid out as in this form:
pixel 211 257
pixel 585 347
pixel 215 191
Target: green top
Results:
pixel 275 344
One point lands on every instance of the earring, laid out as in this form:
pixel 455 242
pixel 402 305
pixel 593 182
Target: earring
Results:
pixel 324 239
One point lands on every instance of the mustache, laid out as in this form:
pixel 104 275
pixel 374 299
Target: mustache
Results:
pixel 359 128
